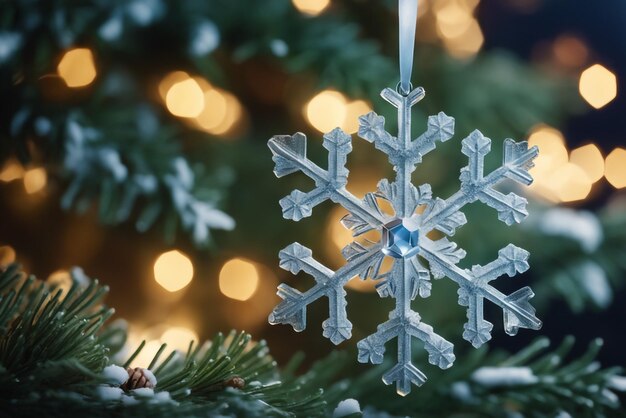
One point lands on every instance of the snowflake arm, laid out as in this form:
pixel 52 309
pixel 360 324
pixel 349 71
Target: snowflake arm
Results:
pixel 440 128
pixel 292 310
pixel 474 186
pixel 405 324
pixel 474 287
pixel 290 156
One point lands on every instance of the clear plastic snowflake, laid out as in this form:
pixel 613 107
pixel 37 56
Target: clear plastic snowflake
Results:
pixel 404 237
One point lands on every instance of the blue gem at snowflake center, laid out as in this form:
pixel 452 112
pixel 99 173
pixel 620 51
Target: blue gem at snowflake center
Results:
pixel 400 238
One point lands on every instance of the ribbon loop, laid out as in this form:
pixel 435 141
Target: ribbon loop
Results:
pixel 407 16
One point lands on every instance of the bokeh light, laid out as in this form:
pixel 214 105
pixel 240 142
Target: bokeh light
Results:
pixel 466 44
pixel 185 99
pixel 311 7
pixel 61 279
pixel 570 51
pixel 571 183
pixel 12 170
pixel 590 159
pixel 453 19
pixel 169 80
pixel 214 112
pixel 598 86
pixel 229 115
pixel 552 150
pixel 353 111
pixel 77 67
pixel 339 237
pixel 7 255
pixel 238 279
pixel 203 106
pixel 326 110
pixel 456 26
pixel 178 338
pixel 615 168
pixel 35 180
pixel 146 355
pixel 173 270
pixel 556 178
pixel 330 109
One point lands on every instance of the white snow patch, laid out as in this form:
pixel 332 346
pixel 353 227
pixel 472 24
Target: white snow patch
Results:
pixel 129 400
pixel 205 38
pixel 162 397
pixel 347 407
pixel 279 47
pixel 579 225
pixel 462 391
pixel 593 279
pixel 9 43
pixel 618 383
pixel 115 375
pixel 151 377
pixel 610 396
pixel 143 392
pixel 109 393
pixel 504 376
pixel 563 414
pixel 112 29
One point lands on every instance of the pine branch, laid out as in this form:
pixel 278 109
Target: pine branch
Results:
pixel 580 259
pixel 535 382
pixel 54 346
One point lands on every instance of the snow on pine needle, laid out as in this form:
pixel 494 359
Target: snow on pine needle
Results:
pixel 404 237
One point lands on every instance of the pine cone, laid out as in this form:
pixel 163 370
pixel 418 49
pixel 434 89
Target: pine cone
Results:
pixel 235 382
pixel 138 378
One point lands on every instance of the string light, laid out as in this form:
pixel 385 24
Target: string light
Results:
pixel 590 159
pixel 598 86
pixel 77 67
pixel 35 180
pixel 238 279
pixel 311 7
pixel 615 168
pixel 173 270
pixel 185 99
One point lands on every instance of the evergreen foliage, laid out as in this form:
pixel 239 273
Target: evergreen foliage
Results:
pixel 54 346
pixel 115 145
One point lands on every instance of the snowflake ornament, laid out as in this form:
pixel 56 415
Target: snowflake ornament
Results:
pixel 404 237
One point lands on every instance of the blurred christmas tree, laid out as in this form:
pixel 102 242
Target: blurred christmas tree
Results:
pixel 153 115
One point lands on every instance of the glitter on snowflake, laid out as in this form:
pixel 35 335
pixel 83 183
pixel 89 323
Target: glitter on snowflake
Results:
pixel 404 237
